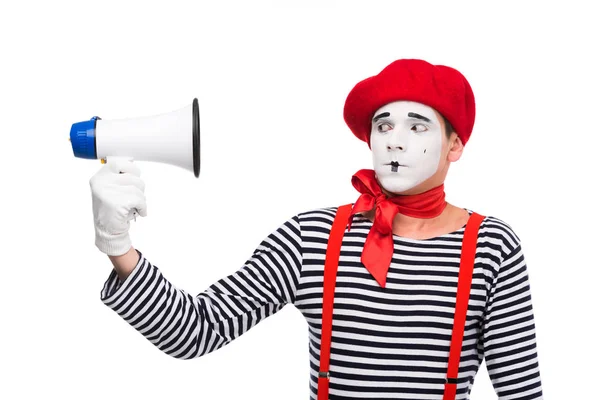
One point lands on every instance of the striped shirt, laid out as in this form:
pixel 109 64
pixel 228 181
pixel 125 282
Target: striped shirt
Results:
pixel 387 343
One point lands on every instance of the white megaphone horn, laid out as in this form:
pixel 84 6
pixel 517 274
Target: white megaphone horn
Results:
pixel 171 138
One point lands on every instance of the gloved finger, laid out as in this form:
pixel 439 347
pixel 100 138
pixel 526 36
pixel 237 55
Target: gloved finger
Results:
pixel 128 179
pixel 121 198
pixel 143 211
pixel 137 204
pixel 126 195
pixel 100 175
pixel 130 197
pixel 124 166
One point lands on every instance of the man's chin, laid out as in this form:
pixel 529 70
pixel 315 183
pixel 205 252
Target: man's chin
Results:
pixel 395 185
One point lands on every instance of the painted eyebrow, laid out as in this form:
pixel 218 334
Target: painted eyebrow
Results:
pixel 410 115
pixel 382 115
pixel 418 116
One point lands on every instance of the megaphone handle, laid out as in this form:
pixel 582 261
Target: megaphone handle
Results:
pixel 112 159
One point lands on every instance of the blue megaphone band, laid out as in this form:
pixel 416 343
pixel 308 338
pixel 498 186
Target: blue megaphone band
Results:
pixel 83 138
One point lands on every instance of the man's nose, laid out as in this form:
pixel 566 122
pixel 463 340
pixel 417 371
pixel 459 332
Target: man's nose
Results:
pixel 398 147
pixel 396 142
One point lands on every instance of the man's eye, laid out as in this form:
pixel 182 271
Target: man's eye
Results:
pixel 384 127
pixel 418 128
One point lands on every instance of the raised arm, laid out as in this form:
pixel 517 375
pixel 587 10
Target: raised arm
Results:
pixel 185 326
pixel 179 324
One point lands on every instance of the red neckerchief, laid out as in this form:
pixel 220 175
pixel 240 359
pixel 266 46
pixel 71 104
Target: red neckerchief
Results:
pixel 379 246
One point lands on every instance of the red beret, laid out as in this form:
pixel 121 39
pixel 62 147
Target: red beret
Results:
pixel 440 87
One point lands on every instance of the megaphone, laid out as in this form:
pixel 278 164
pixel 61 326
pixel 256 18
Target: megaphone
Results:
pixel 171 138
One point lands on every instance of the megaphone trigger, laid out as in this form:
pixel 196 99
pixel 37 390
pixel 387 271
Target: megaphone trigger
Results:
pixel 132 214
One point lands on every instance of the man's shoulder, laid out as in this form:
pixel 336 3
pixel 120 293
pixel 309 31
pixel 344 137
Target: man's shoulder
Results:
pixel 322 212
pixel 497 230
pixel 323 216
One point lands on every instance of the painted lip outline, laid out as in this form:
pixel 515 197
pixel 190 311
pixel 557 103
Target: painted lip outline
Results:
pixel 396 164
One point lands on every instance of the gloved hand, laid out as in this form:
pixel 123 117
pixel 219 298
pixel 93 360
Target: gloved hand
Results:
pixel 117 192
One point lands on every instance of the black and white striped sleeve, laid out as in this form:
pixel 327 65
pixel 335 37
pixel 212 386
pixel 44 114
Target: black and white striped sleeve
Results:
pixel 509 332
pixel 184 326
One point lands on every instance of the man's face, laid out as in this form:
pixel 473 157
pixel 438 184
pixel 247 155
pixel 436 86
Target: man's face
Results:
pixel 406 141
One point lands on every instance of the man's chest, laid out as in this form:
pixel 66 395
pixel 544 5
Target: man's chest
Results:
pixel 419 297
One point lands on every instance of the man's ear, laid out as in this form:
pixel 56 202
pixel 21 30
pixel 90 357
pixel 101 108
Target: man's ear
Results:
pixel 456 148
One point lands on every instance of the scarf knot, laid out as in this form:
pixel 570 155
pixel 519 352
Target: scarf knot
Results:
pixel 379 246
pixel 380 199
pixel 385 211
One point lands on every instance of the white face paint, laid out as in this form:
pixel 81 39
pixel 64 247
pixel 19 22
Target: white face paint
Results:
pixel 406 148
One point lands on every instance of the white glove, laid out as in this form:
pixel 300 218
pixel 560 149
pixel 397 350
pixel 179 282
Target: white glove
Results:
pixel 117 193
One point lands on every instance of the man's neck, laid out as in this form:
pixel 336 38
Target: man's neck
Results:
pixel 451 219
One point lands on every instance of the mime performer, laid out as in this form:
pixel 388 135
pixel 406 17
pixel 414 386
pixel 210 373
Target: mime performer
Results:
pixel 404 294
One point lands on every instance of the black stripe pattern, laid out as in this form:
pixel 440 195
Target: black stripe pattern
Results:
pixel 387 343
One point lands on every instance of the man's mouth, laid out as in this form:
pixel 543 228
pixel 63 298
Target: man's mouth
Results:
pixel 395 165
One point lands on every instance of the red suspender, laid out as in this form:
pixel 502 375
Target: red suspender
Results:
pixel 332 255
pixel 465 275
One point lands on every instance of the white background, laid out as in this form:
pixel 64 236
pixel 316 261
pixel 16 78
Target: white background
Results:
pixel 271 79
